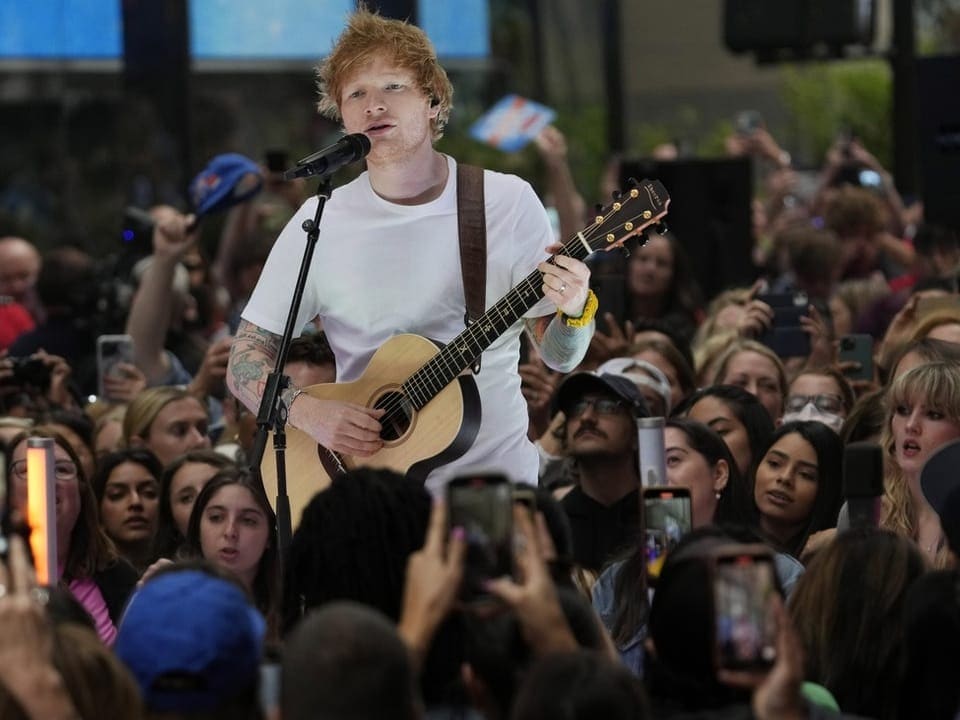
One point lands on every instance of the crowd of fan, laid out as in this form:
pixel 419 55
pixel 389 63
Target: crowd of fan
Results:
pixel 174 601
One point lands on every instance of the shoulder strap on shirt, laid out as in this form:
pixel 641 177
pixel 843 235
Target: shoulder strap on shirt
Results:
pixel 472 227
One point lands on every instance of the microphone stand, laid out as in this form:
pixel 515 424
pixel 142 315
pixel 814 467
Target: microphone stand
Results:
pixel 272 414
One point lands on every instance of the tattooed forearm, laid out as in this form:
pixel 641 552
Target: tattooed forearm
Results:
pixel 252 357
pixel 258 338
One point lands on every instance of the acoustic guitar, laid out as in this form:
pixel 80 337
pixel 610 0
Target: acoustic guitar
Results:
pixel 432 406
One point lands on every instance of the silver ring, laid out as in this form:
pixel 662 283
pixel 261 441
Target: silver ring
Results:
pixel 41 595
pixel 3 590
pixel 563 286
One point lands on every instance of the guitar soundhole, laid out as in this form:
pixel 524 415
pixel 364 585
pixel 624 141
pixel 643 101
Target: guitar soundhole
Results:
pixel 398 416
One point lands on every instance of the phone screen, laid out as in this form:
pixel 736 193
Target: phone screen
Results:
pixel 483 506
pixel 667 517
pixel 745 629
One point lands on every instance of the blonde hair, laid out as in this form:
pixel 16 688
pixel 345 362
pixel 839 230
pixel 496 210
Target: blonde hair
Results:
pixel 145 407
pixel 367 35
pixel 936 385
pixel 708 328
pixel 934 320
pixel 742 345
pixel 709 352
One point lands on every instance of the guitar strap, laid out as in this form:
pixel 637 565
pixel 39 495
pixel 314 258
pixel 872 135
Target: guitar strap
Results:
pixel 472 228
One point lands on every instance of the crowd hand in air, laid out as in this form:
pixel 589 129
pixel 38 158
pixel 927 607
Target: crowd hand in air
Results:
pixel 615 342
pixel 26 653
pixel 533 596
pixel 123 382
pixel 432 583
pixel 538 384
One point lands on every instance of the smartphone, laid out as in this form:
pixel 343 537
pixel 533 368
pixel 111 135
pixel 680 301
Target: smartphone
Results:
pixel 747 121
pixel 927 305
pixel 111 351
pixel 786 336
pixel 482 504
pixel 743 589
pixel 667 517
pixel 859 349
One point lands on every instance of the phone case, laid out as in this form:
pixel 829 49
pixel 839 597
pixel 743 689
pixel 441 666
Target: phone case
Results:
pixel 857 348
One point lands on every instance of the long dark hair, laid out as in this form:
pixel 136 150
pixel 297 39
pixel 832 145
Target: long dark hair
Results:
pixel 826 504
pixel 848 608
pixel 266 584
pixel 746 408
pixel 169 538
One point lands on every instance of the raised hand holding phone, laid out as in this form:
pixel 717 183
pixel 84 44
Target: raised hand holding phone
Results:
pixel 533 596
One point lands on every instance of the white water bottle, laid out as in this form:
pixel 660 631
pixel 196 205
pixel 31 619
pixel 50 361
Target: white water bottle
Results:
pixel 651 451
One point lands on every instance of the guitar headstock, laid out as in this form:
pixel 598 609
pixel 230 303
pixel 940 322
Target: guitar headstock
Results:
pixel 641 205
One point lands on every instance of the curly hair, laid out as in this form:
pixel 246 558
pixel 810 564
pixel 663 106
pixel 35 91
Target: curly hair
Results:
pixel 854 210
pixel 936 384
pixel 368 35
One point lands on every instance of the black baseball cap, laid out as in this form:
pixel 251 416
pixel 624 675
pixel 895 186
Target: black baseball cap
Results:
pixel 577 385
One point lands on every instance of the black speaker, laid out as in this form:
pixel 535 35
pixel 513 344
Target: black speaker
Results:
pixel 709 213
pixel 765 26
pixel 939 138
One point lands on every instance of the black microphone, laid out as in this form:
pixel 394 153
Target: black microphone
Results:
pixel 325 162
pixel 863 483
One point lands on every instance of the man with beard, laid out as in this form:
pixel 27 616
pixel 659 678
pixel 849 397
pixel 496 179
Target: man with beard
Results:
pixel 600 436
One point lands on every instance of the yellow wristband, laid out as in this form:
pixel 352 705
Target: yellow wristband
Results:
pixel 584 319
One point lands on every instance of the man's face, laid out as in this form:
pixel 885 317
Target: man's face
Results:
pixel 385 103
pixel 19 267
pixel 599 425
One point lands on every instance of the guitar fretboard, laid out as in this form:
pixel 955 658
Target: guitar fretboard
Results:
pixel 644 205
pixel 462 352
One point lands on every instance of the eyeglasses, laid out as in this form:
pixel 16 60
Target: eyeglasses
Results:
pixel 62 470
pixel 601 406
pixel 823 403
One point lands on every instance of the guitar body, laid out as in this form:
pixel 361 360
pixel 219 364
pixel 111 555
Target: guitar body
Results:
pixel 414 444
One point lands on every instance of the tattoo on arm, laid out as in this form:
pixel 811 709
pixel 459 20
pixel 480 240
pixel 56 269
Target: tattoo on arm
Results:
pixel 252 358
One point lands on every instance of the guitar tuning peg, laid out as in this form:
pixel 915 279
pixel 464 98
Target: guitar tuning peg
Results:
pixel 625 250
pixel 661 228
pixel 642 237
pixel 617 194
pixel 598 209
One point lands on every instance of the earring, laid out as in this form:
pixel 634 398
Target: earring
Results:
pixel 717 495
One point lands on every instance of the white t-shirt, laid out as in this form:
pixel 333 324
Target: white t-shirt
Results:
pixel 380 269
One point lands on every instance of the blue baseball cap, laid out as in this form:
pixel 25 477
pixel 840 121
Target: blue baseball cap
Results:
pixel 227 180
pixel 192 641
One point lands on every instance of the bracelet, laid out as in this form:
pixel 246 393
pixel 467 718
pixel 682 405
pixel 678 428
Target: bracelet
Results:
pixel 289 395
pixel 585 317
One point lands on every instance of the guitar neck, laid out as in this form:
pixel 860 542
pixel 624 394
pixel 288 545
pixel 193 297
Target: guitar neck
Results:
pixel 462 352
pixel 644 204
